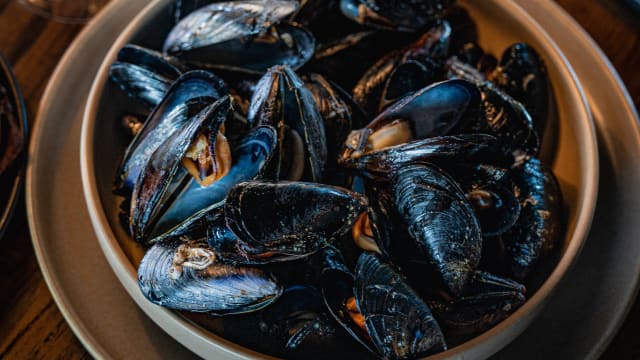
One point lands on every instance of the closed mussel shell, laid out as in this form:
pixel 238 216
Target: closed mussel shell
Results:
pixel 441 223
pixel 400 324
pixel 185 276
pixel 144 74
pixel 292 218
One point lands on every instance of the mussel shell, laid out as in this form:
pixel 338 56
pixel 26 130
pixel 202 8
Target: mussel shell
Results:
pixel 190 93
pixel 282 101
pixel 316 14
pixel 283 44
pixel 492 193
pixel 373 92
pixel 523 75
pixel 359 49
pixel 399 323
pixel 144 74
pixel 196 203
pixel 336 282
pixel 441 222
pixel 488 300
pixel 463 28
pixel 541 221
pixel 224 21
pixel 435 110
pixel 301 327
pixel 471 53
pixel 395 15
pixel 334 111
pixel 153 187
pixel 291 218
pixel 439 150
pixel 196 227
pixel 218 289
pixel 502 115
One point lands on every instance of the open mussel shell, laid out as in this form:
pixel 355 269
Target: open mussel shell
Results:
pixel 155 185
pixel 420 63
pixel 488 299
pixel 185 276
pixel 395 15
pixel 224 21
pixel 435 110
pixel 189 94
pixel 195 203
pixel 399 323
pixel 144 74
pixel 441 223
pixel 282 101
pixel 540 224
pixel 290 218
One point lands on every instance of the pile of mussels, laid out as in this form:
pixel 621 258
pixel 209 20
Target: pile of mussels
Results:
pixel 402 215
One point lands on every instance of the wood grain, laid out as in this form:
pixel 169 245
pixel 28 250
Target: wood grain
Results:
pixel 31 326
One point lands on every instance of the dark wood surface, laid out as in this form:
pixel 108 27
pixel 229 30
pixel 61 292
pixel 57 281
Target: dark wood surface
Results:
pixel 31 325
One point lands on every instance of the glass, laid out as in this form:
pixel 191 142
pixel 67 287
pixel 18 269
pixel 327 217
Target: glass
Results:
pixel 68 11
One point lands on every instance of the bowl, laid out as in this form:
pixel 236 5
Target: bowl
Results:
pixel 572 154
pixel 13 175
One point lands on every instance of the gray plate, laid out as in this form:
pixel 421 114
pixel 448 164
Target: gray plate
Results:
pixel 110 324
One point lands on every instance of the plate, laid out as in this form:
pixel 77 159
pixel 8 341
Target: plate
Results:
pixel 88 294
pixel 11 179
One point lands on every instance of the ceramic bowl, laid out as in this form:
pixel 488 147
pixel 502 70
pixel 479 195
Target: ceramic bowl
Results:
pixel 572 153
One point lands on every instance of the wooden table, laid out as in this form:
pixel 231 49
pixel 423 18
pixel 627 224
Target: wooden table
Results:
pixel 31 326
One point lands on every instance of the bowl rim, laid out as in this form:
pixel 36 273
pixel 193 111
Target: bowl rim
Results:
pixel 201 341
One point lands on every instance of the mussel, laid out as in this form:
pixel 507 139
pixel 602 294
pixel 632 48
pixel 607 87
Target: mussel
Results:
pixel 399 323
pixel 162 175
pixel 144 74
pixel 438 109
pixel 403 72
pixel 241 36
pixel 522 74
pixel 189 94
pixel 539 226
pixel 198 207
pixel 488 299
pixel 250 160
pixel 186 276
pixel 282 101
pixel 441 223
pixel 502 115
pixel 276 220
pixel 395 15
